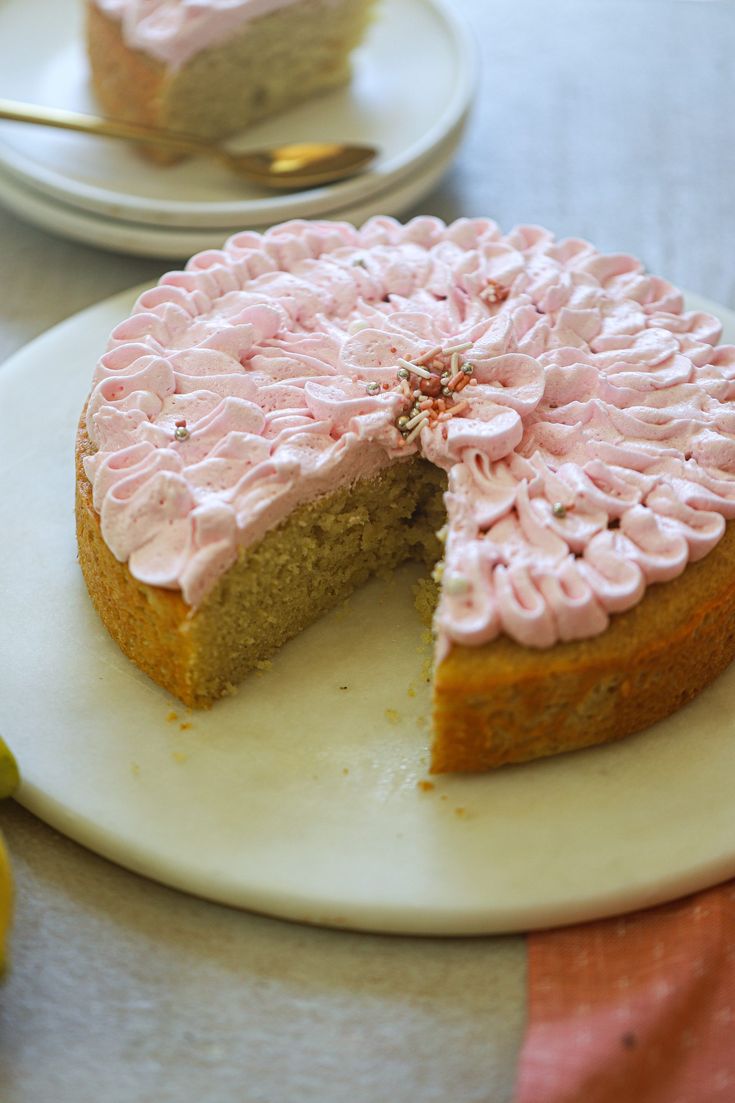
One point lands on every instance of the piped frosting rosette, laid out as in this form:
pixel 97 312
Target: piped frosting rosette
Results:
pixel 585 420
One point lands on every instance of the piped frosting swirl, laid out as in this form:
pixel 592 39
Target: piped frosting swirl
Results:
pixel 593 454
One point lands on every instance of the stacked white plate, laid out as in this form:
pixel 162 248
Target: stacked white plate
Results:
pixel 413 85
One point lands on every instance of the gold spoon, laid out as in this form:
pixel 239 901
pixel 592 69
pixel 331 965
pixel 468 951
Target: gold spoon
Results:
pixel 300 165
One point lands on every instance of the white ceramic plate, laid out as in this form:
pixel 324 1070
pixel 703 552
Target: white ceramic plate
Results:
pixel 406 101
pixel 178 243
pixel 300 798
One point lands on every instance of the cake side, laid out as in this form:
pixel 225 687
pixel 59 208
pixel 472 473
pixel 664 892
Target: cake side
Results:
pixel 503 702
pixel 128 84
pixel 302 568
pixel 148 623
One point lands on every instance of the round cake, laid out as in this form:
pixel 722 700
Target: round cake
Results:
pixel 544 425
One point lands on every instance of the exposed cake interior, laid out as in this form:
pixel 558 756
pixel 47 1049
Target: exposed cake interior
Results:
pixel 302 568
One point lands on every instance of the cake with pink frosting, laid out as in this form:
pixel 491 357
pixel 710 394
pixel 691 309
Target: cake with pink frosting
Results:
pixel 546 426
pixel 212 67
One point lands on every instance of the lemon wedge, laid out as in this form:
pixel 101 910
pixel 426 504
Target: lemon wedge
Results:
pixel 9 777
pixel 8 782
pixel 6 903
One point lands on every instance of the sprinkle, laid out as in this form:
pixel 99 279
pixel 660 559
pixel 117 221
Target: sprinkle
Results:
pixel 495 292
pixel 559 509
pixel 456 585
pixel 403 373
pixel 416 430
pixel 445 378
pixel 373 388
pixel 468 368
pixel 447 392
pixel 414 368
pixel 402 421
pixel 422 415
pixel 181 432
pixel 454 363
pixel 459 407
pixel 473 382
pixel 458 348
pixel 431 387
pixel 456 380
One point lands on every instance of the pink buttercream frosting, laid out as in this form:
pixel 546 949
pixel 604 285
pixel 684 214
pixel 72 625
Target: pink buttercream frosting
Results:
pixel 173 31
pixel 592 454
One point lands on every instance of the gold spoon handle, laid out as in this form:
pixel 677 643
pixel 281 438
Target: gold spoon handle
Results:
pixel 108 128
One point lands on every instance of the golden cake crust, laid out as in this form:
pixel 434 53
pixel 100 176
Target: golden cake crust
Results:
pixel 128 84
pixel 147 623
pixel 504 703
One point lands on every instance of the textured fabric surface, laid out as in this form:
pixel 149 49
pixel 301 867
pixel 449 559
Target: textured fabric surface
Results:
pixel 639 1008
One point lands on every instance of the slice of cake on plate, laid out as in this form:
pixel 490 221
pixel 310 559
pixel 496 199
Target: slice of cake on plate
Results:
pixel 211 68
pixel 292 413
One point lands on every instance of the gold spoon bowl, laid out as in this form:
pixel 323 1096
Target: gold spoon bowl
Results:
pixel 282 168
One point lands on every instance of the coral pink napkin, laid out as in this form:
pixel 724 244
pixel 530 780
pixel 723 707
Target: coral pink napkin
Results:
pixel 634 1010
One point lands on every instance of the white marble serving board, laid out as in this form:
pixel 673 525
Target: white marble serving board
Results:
pixel 300 798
